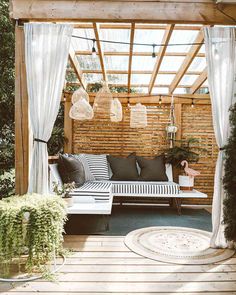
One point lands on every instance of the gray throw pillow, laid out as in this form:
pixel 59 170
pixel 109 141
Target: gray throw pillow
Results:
pixel 123 168
pixel 71 170
pixel 152 169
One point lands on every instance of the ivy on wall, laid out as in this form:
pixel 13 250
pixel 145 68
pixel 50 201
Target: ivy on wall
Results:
pixel 229 181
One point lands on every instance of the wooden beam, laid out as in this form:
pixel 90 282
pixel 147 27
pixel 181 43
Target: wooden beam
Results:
pixel 68 127
pixel 125 72
pixel 163 11
pixel 198 83
pixel 130 54
pixel 152 99
pixel 22 148
pixel 132 85
pixel 76 66
pixel 100 53
pixel 115 26
pixel 160 56
pixel 121 53
pixel 187 61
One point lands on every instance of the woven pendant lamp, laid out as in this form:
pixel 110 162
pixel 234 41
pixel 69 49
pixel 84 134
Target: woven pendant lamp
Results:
pixel 116 114
pixel 78 94
pixel 138 116
pixel 81 110
pixel 102 101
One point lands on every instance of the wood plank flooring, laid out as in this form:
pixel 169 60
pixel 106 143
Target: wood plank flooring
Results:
pixel 104 265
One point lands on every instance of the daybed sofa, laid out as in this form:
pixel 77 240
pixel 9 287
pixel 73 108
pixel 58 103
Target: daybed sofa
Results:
pixel 101 189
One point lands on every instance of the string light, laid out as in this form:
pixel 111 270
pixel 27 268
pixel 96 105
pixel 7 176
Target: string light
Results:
pixel 138 44
pixel 160 101
pixel 192 105
pixel 94 54
pixel 153 51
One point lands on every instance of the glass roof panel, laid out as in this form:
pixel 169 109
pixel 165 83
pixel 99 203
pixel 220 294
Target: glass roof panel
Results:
pixel 160 90
pixel 198 64
pixel 141 89
pixel 117 79
pixel 140 78
pixel 115 35
pixel 181 90
pixel 171 63
pixel 179 37
pixel 87 62
pixel 142 63
pixel 116 62
pixel 80 44
pixel 92 78
pixel 149 37
pixel 188 79
pixel 164 79
pixel 202 49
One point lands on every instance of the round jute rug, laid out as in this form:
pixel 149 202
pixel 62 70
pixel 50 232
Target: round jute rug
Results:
pixel 178 245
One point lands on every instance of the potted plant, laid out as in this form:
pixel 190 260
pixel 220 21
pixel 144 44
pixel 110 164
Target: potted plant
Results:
pixel 38 223
pixel 64 191
pixel 179 156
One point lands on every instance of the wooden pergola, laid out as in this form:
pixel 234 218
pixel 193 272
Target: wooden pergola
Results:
pixel 166 16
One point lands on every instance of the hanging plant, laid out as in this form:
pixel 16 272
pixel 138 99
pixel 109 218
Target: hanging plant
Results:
pixel 229 181
pixel 31 225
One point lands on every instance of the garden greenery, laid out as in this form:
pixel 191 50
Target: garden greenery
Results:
pixel 32 225
pixel 229 181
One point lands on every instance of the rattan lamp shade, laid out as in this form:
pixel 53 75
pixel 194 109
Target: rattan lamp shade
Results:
pixel 81 110
pixel 138 116
pixel 102 101
pixel 79 94
pixel 116 110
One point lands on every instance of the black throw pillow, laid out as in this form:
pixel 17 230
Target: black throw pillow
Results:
pixel 71 170
pixel 152 169
pixel 123 168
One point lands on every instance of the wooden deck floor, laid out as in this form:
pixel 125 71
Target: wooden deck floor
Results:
pixel 103 265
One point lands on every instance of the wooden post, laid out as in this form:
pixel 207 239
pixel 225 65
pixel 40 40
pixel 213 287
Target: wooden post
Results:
pixel 68 126
pixel 178 118
pixel 21 116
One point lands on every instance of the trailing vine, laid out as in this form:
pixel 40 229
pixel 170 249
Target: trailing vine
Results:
pixel 229 181
pixel 32 225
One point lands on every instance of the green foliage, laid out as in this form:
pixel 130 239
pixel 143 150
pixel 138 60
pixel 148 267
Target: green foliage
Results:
pixel 229 181
pixel 57 139
pixel 38 235
pixel 117 89
pixel 7 59
pixel 63 190
pixel 185 150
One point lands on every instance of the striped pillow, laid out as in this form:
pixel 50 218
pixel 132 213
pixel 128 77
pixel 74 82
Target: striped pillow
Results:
pixel 98 166
pixel 88 175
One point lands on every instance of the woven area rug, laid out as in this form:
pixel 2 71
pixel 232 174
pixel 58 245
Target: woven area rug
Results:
pixel 178 245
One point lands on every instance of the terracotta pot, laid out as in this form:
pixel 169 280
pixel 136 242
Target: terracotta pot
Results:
pixel 69 201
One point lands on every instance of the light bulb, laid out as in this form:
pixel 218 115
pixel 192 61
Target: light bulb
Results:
pixel 192 105
pixel 94 54
pixel 153 51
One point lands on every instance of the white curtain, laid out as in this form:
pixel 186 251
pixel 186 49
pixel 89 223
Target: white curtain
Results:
pixel 46 55
pixel 220 55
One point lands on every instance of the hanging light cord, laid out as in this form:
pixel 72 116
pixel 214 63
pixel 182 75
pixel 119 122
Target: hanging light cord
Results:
pixel 135 43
